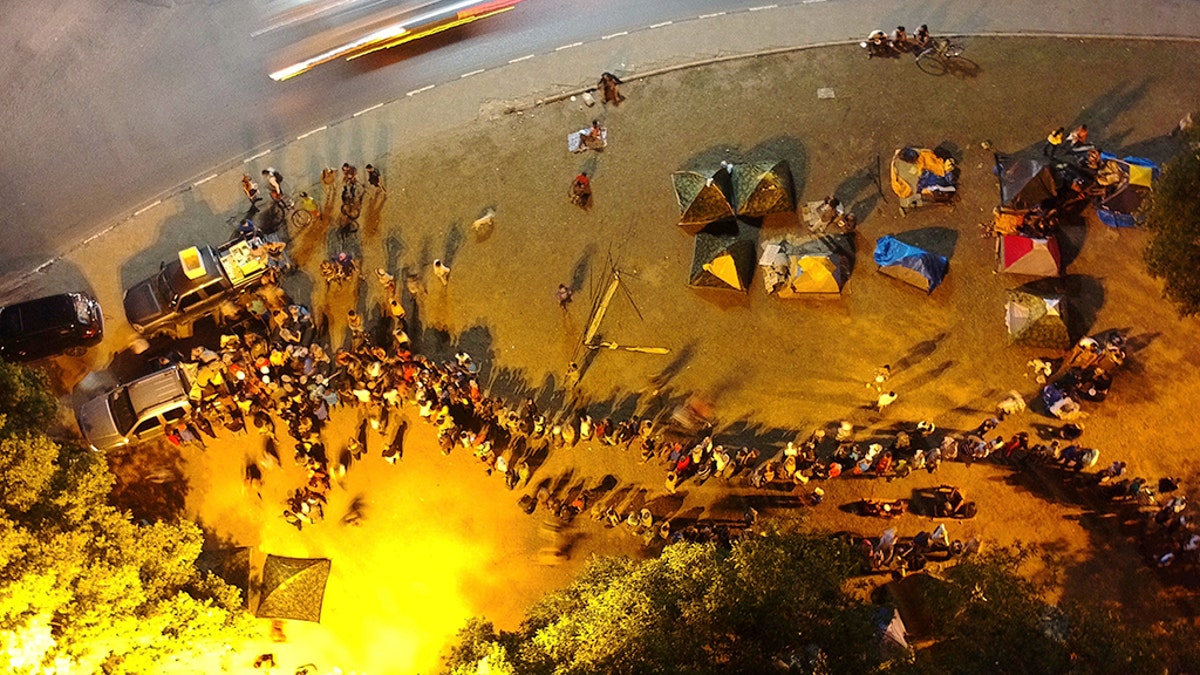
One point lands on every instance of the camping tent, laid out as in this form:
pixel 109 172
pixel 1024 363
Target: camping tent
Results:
pixel 232 565
pixel 724 256
pixel 703 197
pixel 910 264
pixel 1026 255
pixel 817 266
pixel 293 588
pixel 1037 320
pixel 1025 182
pixel 763 188
pixel 920 175
pixel 1127 182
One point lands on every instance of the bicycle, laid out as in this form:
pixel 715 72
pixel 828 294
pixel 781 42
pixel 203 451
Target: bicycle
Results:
pixel 300 216
pixel 942 49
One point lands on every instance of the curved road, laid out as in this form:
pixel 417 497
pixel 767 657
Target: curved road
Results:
pixel 110 104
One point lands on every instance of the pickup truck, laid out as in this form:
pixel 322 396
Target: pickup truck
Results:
pixel 195 284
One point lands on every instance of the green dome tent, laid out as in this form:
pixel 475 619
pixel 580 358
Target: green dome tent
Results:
pixel 763 188
pixel 703 197
pixel 1037 320
pixel 293 588
pixel 723 256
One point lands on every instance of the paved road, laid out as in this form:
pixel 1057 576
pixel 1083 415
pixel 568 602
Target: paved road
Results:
pixel 111 104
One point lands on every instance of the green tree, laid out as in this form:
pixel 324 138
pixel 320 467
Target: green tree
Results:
pixel 698 608
pixel 1173 219
pixel 82 588
pixel 988 617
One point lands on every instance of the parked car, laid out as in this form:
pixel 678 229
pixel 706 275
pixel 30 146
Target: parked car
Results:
pixel 138 411
pixel 194 284
pixel 65 323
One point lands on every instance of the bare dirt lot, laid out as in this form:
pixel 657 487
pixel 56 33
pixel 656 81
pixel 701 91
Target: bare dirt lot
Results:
pixel 442 542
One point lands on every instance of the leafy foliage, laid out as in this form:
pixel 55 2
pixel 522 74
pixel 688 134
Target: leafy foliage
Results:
pixel 1173 218
pixel 82 588
pixel 698 608
pixel 780 603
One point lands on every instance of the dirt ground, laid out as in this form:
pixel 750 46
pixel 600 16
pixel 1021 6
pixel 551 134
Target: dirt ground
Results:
pixel 441 541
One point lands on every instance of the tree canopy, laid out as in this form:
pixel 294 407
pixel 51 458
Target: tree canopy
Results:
pixel 1173 218
pixel 83 589
pixel 786 602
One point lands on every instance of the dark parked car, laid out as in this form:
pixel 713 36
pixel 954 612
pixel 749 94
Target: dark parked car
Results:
pixel 70 323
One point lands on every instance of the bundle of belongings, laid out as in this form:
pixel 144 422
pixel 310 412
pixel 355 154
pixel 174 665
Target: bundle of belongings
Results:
pixel 921 176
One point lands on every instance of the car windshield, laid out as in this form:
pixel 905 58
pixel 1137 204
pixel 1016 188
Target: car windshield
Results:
pixel 122 411
pixel 82 311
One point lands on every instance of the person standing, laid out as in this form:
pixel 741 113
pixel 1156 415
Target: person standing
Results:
pixel 349 174
pixel 881 376
pixel 442 272
pixel 1054 141
pixel 310 205
pixel 374 179
pixel 274 182
pixel 610 89
pixel 251 190
pixel 564 296
pixel 1079 138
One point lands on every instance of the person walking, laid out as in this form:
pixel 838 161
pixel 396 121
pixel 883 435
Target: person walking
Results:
pixel 881 376
pixel 885 400
pixel 442 272
pixel 349 174
pixel 564 295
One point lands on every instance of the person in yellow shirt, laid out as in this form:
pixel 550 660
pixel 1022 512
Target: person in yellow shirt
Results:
pixel 1054 141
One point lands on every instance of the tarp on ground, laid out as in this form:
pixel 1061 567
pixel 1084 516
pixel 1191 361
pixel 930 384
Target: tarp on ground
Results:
pixel 763 188
pixel 723 256
pixel 1025 182
pixel 293 588
pixel 807 266
pixel 1037 320
pixel 231 565
pixel 1029 256
pixel 1128 181
pixel 910 264
pixel 703 198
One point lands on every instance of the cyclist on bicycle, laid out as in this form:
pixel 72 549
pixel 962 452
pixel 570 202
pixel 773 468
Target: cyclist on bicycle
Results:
pixel 310 205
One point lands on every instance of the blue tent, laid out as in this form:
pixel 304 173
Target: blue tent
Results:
pixel 910 264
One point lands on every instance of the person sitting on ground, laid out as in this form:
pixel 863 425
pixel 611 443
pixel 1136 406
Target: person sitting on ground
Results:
pixel 581 191
pixel 922 40
pixel 877 44
pixel 900 40
pixel 830 210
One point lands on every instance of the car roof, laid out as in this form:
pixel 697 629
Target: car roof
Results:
pixel 35 316
pixel 156 389
pixel 181 284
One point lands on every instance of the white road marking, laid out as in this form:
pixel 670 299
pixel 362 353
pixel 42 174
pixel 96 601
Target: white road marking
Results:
pixel 146 208
pixel 414 92
pixel 570 46
pixel 660 25
pixel 762 7
pixel 364 111
pixel 809 2
pixel 310 133
pixel 204 180
pixel 710 16
pixel 473 72
pixel 522 58
pixel 609 37
pixel 254 157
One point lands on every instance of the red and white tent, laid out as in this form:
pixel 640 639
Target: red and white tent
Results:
pixel 1028 256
